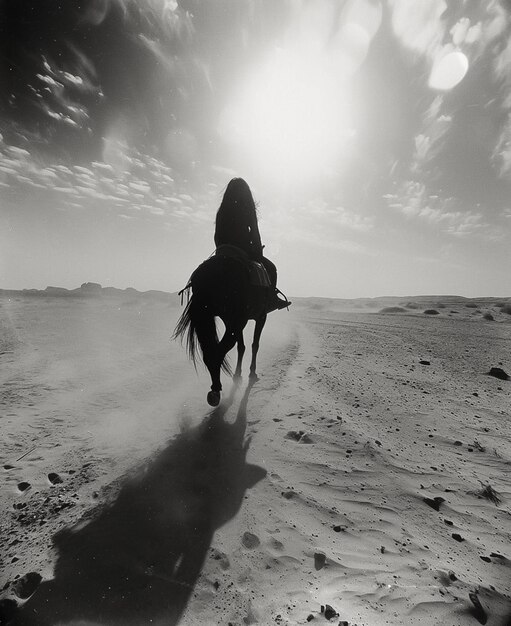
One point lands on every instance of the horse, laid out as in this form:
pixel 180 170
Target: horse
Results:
pixel 221 287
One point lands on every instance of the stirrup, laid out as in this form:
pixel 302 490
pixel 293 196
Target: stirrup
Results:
pixel 275 303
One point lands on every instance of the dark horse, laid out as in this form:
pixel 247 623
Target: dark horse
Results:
pixel 221 287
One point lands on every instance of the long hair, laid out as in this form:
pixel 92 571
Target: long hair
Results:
pixel 237 201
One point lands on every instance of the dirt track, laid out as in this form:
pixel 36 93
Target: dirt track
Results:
pixel 348 433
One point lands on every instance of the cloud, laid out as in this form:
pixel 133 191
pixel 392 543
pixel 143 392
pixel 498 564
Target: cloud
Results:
pixel 148 186
pixel 414 202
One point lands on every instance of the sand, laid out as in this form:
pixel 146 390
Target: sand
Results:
pixel 345 486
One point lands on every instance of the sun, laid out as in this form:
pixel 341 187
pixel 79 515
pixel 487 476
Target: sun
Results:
pixel 290 120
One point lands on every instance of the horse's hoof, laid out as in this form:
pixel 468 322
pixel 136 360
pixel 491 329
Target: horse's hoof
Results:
pixel 213 398
pixel 237 379
pixel 253 377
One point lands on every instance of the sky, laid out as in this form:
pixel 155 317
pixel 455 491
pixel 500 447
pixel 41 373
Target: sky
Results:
pixel 374 134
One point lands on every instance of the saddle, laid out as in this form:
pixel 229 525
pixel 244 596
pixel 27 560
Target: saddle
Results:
pixel 258 276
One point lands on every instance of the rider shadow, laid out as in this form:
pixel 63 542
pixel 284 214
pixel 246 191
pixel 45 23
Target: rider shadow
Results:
pixel 138 561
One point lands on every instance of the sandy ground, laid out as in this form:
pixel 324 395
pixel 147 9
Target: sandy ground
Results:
pixel 345 486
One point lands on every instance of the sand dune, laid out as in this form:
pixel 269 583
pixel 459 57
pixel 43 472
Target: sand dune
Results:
pixel 364 479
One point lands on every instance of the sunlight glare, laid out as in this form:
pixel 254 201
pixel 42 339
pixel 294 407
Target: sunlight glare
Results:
pixel 291 119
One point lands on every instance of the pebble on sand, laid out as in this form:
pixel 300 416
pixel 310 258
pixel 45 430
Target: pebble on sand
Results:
pixel 435 502
pixel 319 560
pixel 498 372
pixel 54 478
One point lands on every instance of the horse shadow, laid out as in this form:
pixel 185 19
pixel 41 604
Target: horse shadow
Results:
pixel 138 561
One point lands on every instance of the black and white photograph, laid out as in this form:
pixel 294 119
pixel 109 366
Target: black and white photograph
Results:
pixel 255 312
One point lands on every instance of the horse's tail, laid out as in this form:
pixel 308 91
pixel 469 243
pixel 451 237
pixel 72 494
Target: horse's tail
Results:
pixel 186 331
pixel 197 326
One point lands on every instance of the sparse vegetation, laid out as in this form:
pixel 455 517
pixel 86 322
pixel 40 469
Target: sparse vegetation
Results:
pixel 412 305
pixel 489 493
pixel 431 312
pixel 507 308
pixel 489 317
pixel 471 305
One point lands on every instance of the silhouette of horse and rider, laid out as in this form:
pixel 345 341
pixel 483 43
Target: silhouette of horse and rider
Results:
pixel 236 284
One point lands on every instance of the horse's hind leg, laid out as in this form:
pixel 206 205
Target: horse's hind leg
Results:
pixel 259 325
pixel 241 352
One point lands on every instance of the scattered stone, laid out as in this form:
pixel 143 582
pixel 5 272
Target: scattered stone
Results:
pixel 485 558
pixel 299 436
pixel 306 439
pixel 319 561
pixel 498 372
pixel 448 522
pixel 424 362
pixel 23 486
pixel 478 612
pixel 288 494
pixel 250 541
pixel 435 502
pixel 452 575
pixel 382 549
pixel 330 612
pixel 27 584
pixel 457 537
pixel 54 478
pixel 431 312
pixel 337 529
pixel 458 443
pixel 294 435
pixel 310 617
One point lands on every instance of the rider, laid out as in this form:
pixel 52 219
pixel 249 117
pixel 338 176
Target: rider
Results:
pixel 236 225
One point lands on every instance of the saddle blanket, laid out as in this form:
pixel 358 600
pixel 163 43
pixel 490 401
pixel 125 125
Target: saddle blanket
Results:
pixel 258 275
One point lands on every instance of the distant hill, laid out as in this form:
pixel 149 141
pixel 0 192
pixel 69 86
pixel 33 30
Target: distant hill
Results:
pixel 95 290
pixel 91 290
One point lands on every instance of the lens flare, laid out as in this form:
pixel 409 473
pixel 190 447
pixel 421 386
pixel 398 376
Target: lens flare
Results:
pixel 448 71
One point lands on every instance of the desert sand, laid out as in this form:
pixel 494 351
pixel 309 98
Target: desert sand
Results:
pixel 363 480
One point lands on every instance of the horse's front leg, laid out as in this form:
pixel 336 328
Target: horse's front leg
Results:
pixel 259 325
pixel 241 352
pixel 213 362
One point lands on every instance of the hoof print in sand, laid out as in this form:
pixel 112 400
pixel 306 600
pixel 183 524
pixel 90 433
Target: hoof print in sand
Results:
pixel 498 372
pixel 250 541
pixel 319 561
pixel 221 557
pixel 299 436
pixel 26 585
pixel 434 503
pixel 54 478
pixel 477 611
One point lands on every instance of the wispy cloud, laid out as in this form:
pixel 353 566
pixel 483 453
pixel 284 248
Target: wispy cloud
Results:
pixel 415 203
pixel 148 188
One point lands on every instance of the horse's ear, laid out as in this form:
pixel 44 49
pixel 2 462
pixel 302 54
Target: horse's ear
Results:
pixel 253 474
